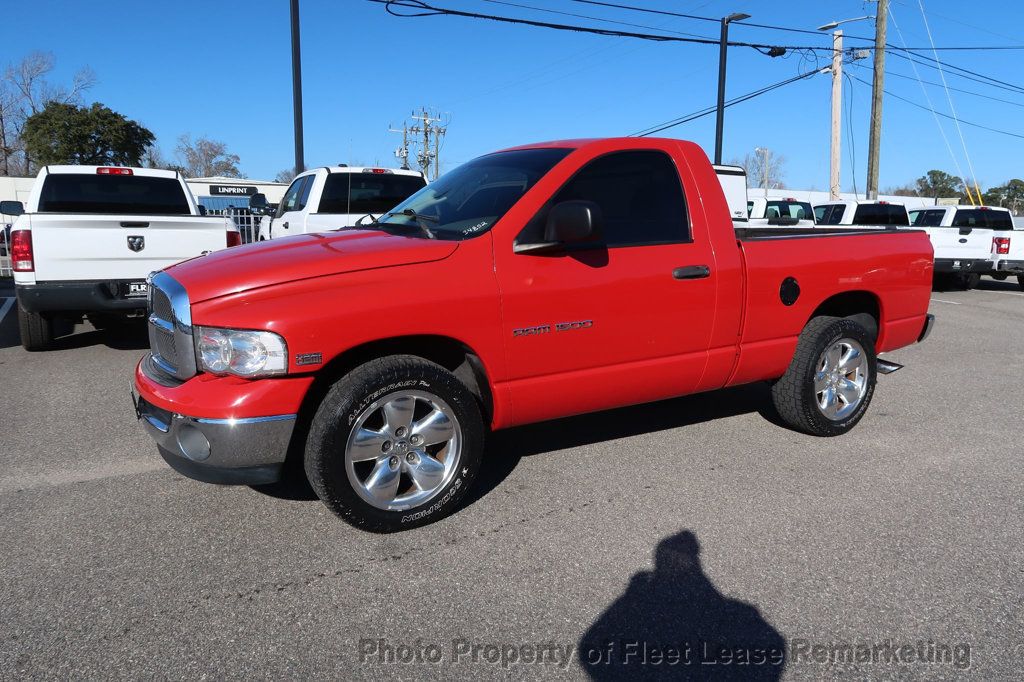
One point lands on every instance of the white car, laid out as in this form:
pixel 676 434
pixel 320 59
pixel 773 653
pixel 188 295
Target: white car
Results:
pixel 333 197
pixel 90 237
pixel 963 238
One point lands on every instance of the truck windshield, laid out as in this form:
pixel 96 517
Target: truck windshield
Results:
pixel 470 199
pixel 367 192
pixel 801 210
pixel 121 194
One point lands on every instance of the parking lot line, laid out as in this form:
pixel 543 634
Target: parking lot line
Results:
pixel 940 300
pixel 996 291
pixel 8 303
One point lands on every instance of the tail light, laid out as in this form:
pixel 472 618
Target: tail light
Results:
pixel 234 238
pixel 21 251
pixel 110 170
pixel 1000 245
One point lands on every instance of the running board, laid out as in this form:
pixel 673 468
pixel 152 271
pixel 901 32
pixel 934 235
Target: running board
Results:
pixel 887 366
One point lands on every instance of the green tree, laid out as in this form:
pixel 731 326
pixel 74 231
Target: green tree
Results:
pixel 92 136
pixel 1010 195
pixel 938 183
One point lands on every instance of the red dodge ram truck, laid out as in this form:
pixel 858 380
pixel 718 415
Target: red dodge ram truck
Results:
pixel 533 283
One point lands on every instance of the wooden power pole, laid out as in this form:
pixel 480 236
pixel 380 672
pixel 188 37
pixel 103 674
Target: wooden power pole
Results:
pixel 834 180
pixel 877 86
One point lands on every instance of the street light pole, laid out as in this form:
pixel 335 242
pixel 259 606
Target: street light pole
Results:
pixel 723 47
pixel 300 164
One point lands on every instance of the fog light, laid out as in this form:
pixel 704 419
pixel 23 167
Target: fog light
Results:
pixel 193 443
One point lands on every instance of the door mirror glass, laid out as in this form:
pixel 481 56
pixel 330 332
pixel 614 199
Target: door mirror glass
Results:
pixel 12 207
pixel 202 209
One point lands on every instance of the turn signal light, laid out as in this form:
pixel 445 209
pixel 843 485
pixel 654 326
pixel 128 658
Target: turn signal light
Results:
pixel 1001 245
pixel 21 251
pixel 110 170
pixel 234 238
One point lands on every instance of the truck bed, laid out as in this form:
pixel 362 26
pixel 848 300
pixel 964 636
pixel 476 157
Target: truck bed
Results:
pixel 765 233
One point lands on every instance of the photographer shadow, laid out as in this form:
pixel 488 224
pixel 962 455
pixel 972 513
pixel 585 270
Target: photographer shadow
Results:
pixel 673 623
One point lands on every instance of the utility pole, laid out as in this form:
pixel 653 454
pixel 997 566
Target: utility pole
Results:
pixel 877 85
pixel 723 48
pixel 834 181
pixel 403 151
pixel 300 164
pixel 428 127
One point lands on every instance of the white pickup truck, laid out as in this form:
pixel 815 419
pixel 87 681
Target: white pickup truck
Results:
pixel 90 237
pixel 332 197
pixel 964 239
pixel 1008 250
pixel 861 214
pixel 759 212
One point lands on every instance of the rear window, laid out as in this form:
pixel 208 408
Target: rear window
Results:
pixel 120 194
pixel 926 218
pixel 367 192
pixel 829 214
pixel 979 217
pixel 801 210
pixel 881 214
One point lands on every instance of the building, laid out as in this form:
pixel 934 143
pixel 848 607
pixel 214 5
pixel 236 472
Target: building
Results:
pixel 218 193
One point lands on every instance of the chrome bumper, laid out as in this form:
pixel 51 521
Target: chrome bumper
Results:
pixel 239 451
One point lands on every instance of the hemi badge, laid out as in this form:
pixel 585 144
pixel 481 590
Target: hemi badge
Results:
pixel 309 358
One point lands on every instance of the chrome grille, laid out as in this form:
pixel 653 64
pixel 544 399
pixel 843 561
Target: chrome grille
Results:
pixel 170 327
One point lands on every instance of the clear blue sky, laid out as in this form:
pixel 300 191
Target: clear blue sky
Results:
pixel 222 69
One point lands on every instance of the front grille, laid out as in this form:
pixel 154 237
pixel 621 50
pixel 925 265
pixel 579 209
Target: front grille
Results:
pixel 170 327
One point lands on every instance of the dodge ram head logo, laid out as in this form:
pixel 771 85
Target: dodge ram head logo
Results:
pixel 136 242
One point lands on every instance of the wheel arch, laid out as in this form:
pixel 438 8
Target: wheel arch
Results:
pixel 863 306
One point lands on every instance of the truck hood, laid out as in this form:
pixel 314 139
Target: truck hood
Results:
pixel 304 256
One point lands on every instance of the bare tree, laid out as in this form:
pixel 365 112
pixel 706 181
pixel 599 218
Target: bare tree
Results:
pixel 287 175
pixel 204 158
pixel 24 91
pixel 764 168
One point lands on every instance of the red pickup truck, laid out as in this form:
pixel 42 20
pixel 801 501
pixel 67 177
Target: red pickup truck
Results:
pixel 530 284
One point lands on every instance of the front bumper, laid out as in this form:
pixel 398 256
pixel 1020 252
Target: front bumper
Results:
pixel 232 451
pixel 79 296
pixel 981 265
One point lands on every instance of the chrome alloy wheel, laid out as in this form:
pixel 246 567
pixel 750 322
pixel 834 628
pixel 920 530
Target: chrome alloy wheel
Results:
pixel 841 379
pixel 403 449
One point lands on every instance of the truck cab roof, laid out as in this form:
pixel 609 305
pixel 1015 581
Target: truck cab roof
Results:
pixel 106 170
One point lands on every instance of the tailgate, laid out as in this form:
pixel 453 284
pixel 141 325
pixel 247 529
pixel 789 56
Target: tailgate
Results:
pixel 949 242
pixel 91 247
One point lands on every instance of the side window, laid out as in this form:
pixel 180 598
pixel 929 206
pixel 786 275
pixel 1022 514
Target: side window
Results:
pixel 750 207
pixel 820 212
pixel 291 196
pixel 304 192
pixel 640 197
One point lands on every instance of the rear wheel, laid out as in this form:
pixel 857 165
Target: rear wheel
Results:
pixel 970 280
pixel 831 379
pixel 395 444
pixel 36 330
pixel 1020 282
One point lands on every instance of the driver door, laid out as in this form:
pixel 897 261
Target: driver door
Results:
pixel 289 218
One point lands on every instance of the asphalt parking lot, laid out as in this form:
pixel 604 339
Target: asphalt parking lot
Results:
pixel 697 520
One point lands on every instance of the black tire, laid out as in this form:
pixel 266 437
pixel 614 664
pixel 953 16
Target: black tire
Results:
pixel 1020 282
pixel 971 280
pixel 338 413
pixel 998 276
pixel 36 330
pixel 793 395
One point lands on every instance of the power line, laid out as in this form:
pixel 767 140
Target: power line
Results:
pixel 966 92
pixel 967 74
pixel 592 18
pixel 966 123
pixel 659 127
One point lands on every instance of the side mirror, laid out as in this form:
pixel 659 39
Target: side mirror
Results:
pixel 12 207
pixel 574 222
pixel 258 203
pixel 202 209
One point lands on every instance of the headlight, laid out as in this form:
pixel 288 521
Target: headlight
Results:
pixel 240 352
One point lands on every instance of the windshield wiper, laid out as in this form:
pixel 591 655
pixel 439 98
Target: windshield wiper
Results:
pixel 420 218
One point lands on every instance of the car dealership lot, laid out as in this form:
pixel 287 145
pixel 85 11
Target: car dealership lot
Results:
pixel 906 530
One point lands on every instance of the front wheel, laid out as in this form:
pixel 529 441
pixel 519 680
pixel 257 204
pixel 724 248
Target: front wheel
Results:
pixel 831 379
pixel 395 444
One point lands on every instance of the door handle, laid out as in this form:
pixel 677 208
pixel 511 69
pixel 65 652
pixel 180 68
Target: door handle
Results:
pixel 284 225
pixel 692 272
